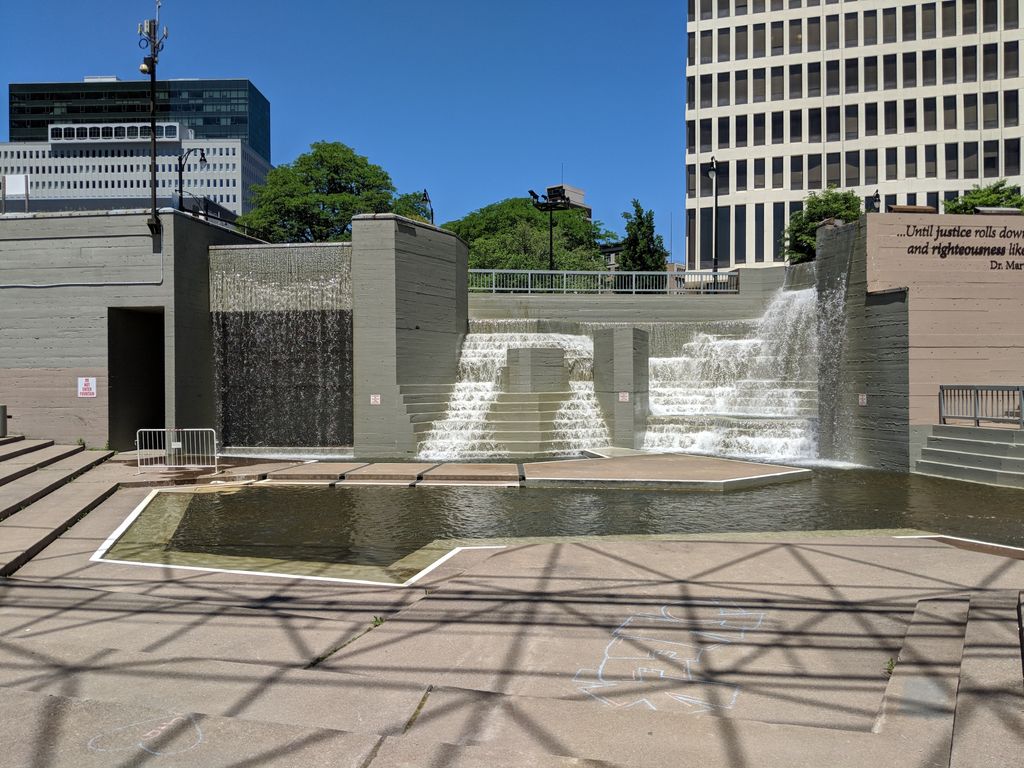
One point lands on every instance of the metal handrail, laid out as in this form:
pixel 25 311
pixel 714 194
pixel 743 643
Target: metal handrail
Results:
pixel 573 281
pixel 994 403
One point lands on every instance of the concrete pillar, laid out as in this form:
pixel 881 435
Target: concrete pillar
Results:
pixel 539 369
pixel 3 421
pixel 621 382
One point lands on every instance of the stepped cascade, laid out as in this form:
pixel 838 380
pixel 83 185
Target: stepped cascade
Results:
pixel 484 419
pixel 741 389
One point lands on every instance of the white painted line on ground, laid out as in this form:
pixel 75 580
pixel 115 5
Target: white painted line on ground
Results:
pixel 959 538
pixel 99 557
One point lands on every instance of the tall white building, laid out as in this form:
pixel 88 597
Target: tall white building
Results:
pixel 918 101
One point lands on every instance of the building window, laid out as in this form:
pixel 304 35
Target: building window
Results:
pixel 928 69
pixel 778 180
pixel 949 65
pixel 778 83
pixel 741 175
pixel 851 72
pixel 691 48
pixel 970 160
pixel 909 23
pixel 759 232
pixel 832 124
pixel 870 166
pixel 705 135
pixel 759 41
pixel 814 34
pixel 970 111
pixel 969 17
pixel 740 244
pixel 970 64
pixel 778 43
pixel 949 121
pixel 706 91
pixel 832 32
pixel 691 92
pixel 779 217
pixel 1011 14
pixel 910 115
pixel 723 89
pixel 910 162
pixel 723 8
pixel 990 61
pixel 814 171
pixel 853 168
pixel 990 109
pixel 889 112
pixel 814 79
pixel 691 138
pixel 741 131
pixel 723 133
pixel 796 81
pixel 741 43
pixel 759 130
pixel 706 43
pixel 778 128
pixel 796 172
pixel 870 27
pixel 991 159
pixel 832 86
pixel 796 36
pixel 889 71
pixel 930 114
pixel 741 86
pixel 931 162
pixel 1010 108
pixel 870 73
pixel 814 126
pixel 1011 59
pixel 889 25
pixel 759 173
pixel 928 27
pixel 759 85
pixel 891 170
pixel 909 70
pixel 952 161
pixel 723 44
pixel 833 169
pixel 871 119
pixel 1011 157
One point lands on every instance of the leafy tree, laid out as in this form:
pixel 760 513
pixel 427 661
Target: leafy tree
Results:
pixel 643 249
pixel 411 206
pixel 512 234
pixel 800 238
pixel 314 198
pixel 997 195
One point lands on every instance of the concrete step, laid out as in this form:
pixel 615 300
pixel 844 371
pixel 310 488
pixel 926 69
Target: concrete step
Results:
pixel 44 456
pixel 19 493
pixel 66 732
pixel 413 389
pixel 301 697
pixel 989 724
pixel 533 397
pixel 426 397
pixel 987 447
pixel 21 447
pixel 980 460
pixel 418 751
pixel 635 736
pixel 524 423
pixel 11 439
pixel 920 698
pixel 986 434
pixel 28 532
pixel 427 408
pixel 970 474
pixel 514 411
pixel 504 436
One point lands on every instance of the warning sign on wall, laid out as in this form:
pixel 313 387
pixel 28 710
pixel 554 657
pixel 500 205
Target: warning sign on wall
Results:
pixel 87 386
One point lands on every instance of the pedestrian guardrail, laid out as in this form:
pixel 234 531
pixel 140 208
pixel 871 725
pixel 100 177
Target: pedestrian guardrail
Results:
pixel 176 448
pixel 978 403
pixel 544 281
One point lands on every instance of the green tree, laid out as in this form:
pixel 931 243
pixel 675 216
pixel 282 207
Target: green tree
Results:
pixel 411 206
pixel 643 250
pixel 997 195
pixel 800 237
pixel 512 234
pixel 314 198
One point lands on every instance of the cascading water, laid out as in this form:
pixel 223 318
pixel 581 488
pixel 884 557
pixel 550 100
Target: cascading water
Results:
pixel 750 391
pixel 465 431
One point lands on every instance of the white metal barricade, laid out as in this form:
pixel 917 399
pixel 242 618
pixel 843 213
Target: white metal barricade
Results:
pixel 176 448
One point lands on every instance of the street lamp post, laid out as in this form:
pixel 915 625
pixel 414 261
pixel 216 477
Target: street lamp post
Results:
pixel 545 203
pixel 713 175
pixel 182 159
pixel 152 39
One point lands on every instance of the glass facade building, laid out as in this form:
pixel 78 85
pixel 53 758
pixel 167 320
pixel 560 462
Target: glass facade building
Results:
pixel 211 109
pixel 919 101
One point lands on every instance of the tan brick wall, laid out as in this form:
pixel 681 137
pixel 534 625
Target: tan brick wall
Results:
pixel 965 298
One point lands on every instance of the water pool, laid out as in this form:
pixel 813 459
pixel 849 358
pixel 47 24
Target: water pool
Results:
pixel 382 533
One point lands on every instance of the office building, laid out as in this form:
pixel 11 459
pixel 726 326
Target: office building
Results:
pixel 918 101
pixel 86 145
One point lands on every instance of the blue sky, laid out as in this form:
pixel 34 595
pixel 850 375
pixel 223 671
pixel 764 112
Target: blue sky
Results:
pixel 476 100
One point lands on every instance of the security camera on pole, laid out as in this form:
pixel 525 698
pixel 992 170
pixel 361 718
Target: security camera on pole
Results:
pixel 151 38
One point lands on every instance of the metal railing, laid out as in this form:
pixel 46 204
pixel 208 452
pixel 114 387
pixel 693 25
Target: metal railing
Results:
pixel 176 448
pixel 978 403
pixel 544 281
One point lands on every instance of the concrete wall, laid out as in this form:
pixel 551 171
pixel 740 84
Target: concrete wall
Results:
pixel 409 319
pixel 756 288
pixel 58 275
pixel 930 300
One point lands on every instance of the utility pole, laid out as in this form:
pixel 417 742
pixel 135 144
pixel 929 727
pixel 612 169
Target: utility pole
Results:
pixel 151 38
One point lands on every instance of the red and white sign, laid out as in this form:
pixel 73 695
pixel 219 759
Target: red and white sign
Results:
pixel 374 399
pixel 623 397
pixel 87 386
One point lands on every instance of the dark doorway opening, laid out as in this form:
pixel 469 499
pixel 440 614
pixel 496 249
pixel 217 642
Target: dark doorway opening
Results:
pixel 135 360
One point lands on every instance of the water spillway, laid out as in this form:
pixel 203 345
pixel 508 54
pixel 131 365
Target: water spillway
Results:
pixel 484 419
pixel 745 389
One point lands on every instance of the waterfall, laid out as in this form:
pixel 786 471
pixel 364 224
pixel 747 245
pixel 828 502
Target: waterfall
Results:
pixel 742 389
pixel 465 430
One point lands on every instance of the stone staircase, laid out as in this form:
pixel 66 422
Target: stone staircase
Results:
pixel 44 489
pixel 523 423
pixel 425 404
pixel 974 454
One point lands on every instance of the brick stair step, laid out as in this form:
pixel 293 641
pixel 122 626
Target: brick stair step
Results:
pixel 989 724
pixel 68 732
pixel 44 456
pixel 214 687
pixel 34 486
pixel 21 447
pixel 920 698
pixel 28 532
